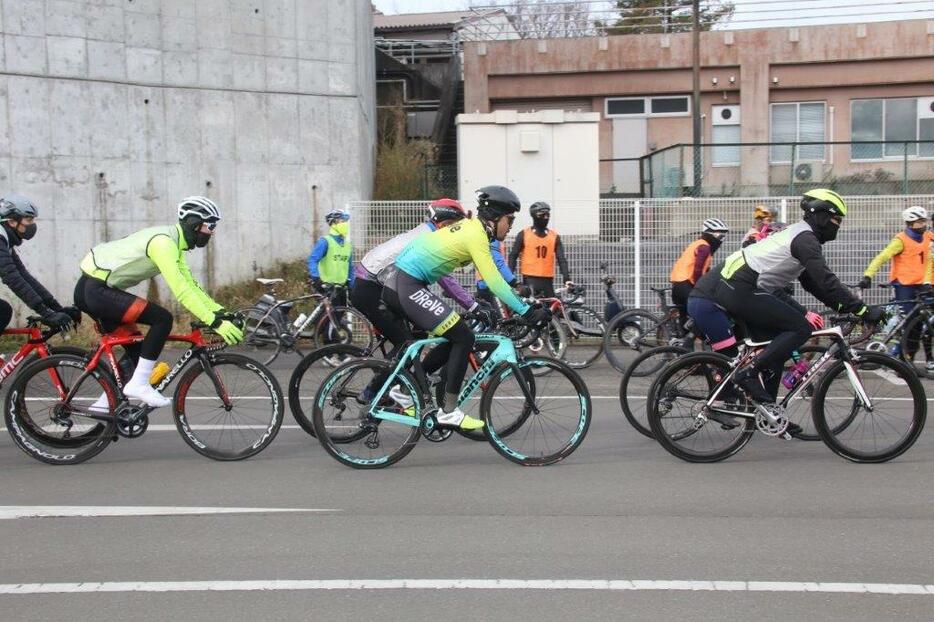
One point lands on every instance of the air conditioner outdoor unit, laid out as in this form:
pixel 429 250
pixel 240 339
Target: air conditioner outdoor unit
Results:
pixel 803 172
pixel 926 107
pixel 725 115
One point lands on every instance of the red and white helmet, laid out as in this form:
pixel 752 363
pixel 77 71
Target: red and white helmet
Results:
pixel 441 210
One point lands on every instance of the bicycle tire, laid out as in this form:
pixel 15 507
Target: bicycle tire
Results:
pixel 303 412
pixel 631 372
pixel 875 362
pixel 261 335
pixel 28 434
pixel 332 393
pixel 632 331
pixel 711 367
pixel 511 447
pixel 593 324
pixel 268 420
pixel 357 332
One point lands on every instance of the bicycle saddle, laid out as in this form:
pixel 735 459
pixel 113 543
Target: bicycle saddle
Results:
pixel 269 281
pixel 660 290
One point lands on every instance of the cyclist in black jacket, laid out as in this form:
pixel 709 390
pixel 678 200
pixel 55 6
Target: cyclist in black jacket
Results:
pixel 18 215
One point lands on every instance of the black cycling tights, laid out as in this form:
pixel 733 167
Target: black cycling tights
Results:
pixel 113 307
pixel 454 354
pixel 6 314
pixel 767 317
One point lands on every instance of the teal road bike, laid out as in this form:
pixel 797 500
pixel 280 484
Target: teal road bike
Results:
pixel 530 419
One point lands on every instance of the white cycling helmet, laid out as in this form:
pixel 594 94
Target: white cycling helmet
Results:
pixel 202 207
pixel 715 225
pixel 913 213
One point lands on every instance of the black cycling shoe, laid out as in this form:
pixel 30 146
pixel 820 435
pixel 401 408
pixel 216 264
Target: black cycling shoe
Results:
pixel 750 381
pixel 793 429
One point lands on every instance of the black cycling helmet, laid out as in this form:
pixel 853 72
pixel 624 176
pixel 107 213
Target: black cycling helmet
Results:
pixel 496 201
pixel 17 206
pixel 539 207
pixel 823 200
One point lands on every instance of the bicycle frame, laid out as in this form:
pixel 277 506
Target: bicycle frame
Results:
pixel 504 352
pixel 839 347
pixel 127 335
pixel 36 342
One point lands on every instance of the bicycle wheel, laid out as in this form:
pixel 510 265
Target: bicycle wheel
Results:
pixel 559 417
pixel 916 341
pixel 675 410
pixel 585 337
pixel 261 335
pixel 629 334
pixel 46 426
pixel 798 410
pixel 310 374
pixel 240 427
pixel 344 426
pixel 633 392
pixel 350 328
pixel 899 409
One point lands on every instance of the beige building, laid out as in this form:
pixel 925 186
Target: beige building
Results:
pixel 869 82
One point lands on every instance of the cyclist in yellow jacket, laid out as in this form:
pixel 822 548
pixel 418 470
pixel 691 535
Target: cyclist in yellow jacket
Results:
pixel 911 265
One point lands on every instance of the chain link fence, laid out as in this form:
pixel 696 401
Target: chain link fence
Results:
pixel 774 169
pixel 640 240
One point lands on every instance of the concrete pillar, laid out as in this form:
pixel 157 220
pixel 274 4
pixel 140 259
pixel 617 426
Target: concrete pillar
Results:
pixel 754 102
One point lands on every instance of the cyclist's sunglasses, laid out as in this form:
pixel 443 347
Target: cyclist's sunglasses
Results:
pixel 211 225
pixel 837 220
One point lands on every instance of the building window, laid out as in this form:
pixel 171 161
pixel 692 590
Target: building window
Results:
pixel 621 107
pixel 725 129
pixel 892 120
pixel 795 123
pixel 678 106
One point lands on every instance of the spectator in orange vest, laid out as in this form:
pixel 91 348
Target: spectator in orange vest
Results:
pixel 911 269
pixel 538 247
pixel 694 263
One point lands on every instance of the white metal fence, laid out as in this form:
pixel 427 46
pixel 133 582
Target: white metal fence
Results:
pixel 640 240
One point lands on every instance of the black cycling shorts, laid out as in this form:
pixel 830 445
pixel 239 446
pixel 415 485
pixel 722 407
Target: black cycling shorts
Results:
pixel 411 297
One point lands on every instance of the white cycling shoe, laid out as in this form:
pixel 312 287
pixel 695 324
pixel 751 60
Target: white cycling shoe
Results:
pixel 404 400
pixel 146 394
pixel 458 419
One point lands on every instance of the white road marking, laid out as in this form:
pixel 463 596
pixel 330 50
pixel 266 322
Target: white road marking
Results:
pixel 469 584
pixel 8 512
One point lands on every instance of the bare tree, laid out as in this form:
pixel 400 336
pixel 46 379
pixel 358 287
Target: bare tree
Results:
pixel 546 19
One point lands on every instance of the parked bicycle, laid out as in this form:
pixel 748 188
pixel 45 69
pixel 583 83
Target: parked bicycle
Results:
pixel 528 419
pixel 866 406
pixel 226 406
pixel 269 330
pixel 636 330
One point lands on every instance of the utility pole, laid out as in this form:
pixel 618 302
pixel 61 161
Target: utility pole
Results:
pixel 695 100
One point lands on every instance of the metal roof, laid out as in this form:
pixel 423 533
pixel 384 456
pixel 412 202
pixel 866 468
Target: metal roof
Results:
pixel 426 20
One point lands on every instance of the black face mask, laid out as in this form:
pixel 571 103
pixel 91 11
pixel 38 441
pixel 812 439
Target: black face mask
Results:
pixel 823 227
pixel 30 232
pixel 193 237
pixel 540 222
pixel 713 240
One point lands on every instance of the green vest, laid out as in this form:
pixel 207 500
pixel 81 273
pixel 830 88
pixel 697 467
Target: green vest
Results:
pixel 334 267
pixel 125 262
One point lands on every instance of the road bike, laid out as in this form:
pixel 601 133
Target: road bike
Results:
pixel 226 406
pixel 583 327
pixel 866 406
pixel 530 420
pixel 269 330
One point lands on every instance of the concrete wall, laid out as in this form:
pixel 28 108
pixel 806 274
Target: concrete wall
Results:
pixel 113 110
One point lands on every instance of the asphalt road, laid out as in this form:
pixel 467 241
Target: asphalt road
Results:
pixel 788 513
